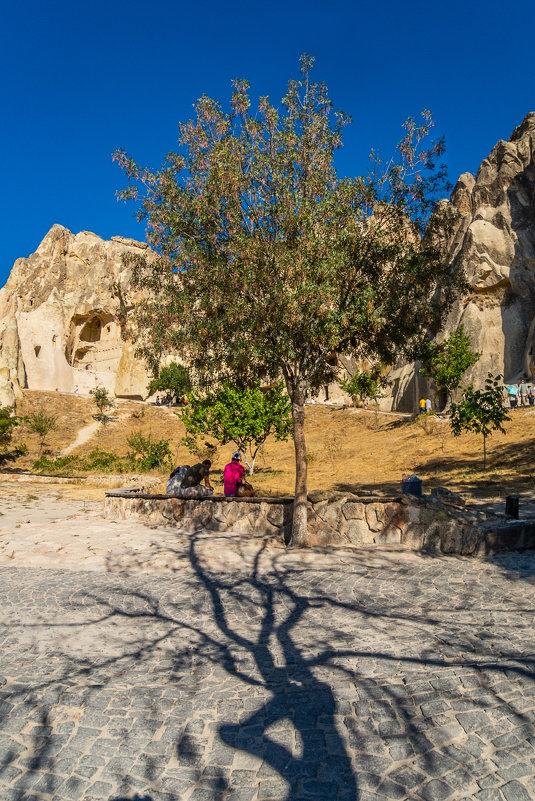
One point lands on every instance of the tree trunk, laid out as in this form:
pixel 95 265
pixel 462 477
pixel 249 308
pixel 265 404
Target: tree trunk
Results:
pixel 299 524
pixel 484 452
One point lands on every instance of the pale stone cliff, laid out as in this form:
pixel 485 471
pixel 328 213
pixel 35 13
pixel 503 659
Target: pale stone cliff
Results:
pixel 59 318
pixel 495 242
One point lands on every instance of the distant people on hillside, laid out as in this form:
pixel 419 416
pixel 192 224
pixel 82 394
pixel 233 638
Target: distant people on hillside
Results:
pixel 422 405
pixel 523 389
pixel 428 405
pixel 532 395
pixel 512 394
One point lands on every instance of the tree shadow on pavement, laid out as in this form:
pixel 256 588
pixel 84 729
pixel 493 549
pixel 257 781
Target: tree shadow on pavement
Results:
pixel 345 677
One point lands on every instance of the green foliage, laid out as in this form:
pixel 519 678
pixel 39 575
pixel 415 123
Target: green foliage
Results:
pixel 145 456
pixel 267 263
pixel 102 401
pixel 364 384
pixel 245 417
pixel 174 378
pixel 41 424
pixel 47 465
pixel 481 411
pixel 446 362
pixel 9 421
pixel 148 455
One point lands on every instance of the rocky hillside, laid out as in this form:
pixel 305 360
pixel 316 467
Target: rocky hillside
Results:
pixel 59 318
pixel 494 241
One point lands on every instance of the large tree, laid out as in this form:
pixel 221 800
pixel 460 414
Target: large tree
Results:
pixel 268 264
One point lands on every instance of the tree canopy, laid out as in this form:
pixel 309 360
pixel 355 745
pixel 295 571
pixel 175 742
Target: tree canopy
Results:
pixel 268 263
pixel 245 417
pixel 173 378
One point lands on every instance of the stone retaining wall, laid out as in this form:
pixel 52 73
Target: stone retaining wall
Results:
pixel 334 518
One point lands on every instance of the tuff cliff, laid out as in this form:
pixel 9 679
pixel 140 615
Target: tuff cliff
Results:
pixel 494 240
pixel 60 318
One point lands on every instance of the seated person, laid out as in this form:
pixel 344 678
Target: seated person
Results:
pixel 190 481
pixel 233 475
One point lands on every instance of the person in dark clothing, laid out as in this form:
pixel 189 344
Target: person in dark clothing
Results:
pixel 196 473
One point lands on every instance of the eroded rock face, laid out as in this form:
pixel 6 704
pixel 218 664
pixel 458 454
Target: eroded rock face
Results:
pixel 494 241
pixel 59 318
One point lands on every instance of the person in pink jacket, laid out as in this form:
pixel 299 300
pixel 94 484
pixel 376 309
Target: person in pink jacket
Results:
pixel 233 474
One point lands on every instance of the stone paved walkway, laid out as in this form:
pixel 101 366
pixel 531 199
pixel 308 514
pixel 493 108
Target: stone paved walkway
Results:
pixel 170 667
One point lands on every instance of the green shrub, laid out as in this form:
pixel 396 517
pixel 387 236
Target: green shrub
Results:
pixel 104 462
pixel 148 455
pixel 46 465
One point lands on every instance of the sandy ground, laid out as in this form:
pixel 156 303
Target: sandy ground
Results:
pixel 63 527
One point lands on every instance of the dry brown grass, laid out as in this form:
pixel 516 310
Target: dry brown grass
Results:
pixel 345 449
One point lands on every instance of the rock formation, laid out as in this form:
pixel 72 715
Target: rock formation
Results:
pixel 59 318
pixel 495 242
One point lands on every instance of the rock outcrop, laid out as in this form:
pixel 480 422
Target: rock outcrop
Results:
pixel 59 318
pixel 495 242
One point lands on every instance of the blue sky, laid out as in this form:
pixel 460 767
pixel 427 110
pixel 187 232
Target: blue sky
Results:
pixel 80 79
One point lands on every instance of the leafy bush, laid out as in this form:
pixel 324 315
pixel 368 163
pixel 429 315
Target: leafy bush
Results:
pixel 46 465
pixel 364 384
pixel 147 454
pixel 9 421
pixel 104 462
pixel 95 462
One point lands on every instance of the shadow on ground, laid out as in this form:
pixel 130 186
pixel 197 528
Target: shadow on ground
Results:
pixel 306 682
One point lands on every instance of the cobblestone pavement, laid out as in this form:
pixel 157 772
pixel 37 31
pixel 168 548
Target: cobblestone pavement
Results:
pixel 207 668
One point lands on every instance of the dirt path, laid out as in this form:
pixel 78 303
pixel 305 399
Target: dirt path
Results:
pixel 83 436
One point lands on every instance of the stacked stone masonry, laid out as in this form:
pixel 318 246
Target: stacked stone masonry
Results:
pixel 334 519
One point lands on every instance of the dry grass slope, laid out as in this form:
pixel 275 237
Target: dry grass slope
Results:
pixel 348 449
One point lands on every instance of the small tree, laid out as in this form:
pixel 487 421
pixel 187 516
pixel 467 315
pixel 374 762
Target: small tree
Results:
pixel 446 362
pixel 481 411
pixel 102 401
pixel 174 378
pixel 366 385
pixel 41 424
pixel 245 417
